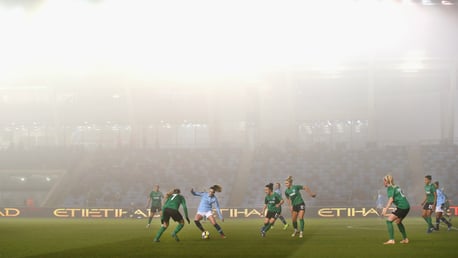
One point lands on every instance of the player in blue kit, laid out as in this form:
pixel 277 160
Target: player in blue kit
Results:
pixel 206 206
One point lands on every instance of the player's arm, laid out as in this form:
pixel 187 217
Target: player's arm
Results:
pixel 162 211
pixel 388 205
pixel 185 209
pixel 424 200
pixel 307 189
pixel 263 212
pixel 148 201
pixel 288 202
pixel 196 193
pixel 435 200
pixel 218 210
pixel 280 203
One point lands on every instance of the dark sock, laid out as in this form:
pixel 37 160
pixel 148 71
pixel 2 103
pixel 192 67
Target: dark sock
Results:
pixel 199 225
pixel 446 221
pixel 282 219
pixel 218 228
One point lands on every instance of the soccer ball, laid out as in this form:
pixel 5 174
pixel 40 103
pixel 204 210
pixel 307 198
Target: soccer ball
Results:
pixel 205 235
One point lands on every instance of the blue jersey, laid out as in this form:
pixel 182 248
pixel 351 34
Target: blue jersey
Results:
pixel 380 201
pixel 441 198
pixel 206 203
pixel 278 191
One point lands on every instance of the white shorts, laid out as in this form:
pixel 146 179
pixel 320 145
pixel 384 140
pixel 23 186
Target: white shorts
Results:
pixel 439 208
pixel 205 214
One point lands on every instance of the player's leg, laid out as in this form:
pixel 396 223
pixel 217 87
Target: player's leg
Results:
pixel 266 226
pixel 178 218
pixel 151 215
pixel 163 227
pixel 438 219
pixel 443 219
pixel 294 220
pixel 283 220
pixel 265 223
pixel 270 222
pixel 402 229
pixel 217 227
pixel 197 220
pixel 429 220
pixel 300 215
pixel 426 214
pixel 389 226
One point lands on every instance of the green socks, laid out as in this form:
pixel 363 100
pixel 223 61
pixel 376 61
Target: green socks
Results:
pixel 266 227
pixel 389 225
pixel 429 221
pixel 159 233
pixel 178 228
pixel 402 229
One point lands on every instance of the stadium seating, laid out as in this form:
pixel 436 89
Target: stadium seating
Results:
pixel 124 177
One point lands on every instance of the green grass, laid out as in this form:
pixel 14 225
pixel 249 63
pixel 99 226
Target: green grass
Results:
pixel 21 237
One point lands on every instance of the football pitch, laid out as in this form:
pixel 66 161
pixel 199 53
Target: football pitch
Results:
pixel 21 237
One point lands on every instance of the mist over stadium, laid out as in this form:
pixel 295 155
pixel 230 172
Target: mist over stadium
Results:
pixel 100 100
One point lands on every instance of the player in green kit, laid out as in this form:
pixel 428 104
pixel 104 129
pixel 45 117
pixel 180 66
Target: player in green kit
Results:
pixel 173 200
pixel 154 203
pixel 429 203
pixel 277 190
pixel 296 203
pixel 272 202
pixel 396 197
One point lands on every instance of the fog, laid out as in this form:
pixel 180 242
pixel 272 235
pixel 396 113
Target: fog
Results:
pixel 100 100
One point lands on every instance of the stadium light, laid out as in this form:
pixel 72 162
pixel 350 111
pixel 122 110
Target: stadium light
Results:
pixel 448 2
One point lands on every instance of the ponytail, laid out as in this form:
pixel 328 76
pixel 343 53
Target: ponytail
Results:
pixel 216 188
pixel 171 192
pixel 389 180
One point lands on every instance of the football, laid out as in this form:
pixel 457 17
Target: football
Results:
pixel 205 235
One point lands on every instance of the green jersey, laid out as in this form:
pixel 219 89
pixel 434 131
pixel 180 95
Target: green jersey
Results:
pixel 156 199
pixel 430 189
pixel 294 194
pixel 399 199
pixel 174 201
pixel 271 201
